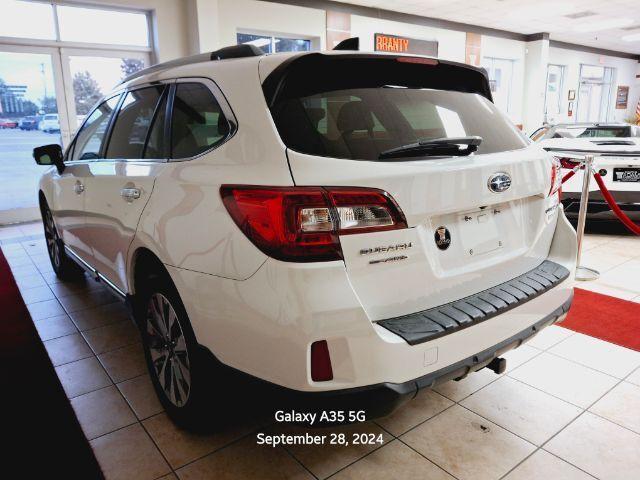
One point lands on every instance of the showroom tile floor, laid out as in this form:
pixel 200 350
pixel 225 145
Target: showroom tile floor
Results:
pixel 567 407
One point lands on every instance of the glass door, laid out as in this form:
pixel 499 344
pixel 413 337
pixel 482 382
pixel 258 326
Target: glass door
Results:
pixel 32 113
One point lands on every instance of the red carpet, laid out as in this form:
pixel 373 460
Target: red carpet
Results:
pixel 42 436
pixel 604 317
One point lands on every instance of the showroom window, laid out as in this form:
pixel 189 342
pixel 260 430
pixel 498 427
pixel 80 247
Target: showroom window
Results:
pixel 274 44
pixel 553 94
pixel 57 60
pixel 500 72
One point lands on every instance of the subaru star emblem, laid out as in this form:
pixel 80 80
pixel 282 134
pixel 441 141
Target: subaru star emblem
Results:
pixel 442 238
pixel 499 182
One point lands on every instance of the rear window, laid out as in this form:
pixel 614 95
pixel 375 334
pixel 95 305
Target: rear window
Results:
pixel 357 109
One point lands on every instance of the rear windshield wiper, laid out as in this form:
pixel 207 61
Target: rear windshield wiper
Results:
pixel 435 147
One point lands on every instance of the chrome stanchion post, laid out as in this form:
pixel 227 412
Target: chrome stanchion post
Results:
pixel 584 273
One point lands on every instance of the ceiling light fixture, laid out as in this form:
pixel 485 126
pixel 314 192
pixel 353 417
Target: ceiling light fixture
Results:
pixel 608 24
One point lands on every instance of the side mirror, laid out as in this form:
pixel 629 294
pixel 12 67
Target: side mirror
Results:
pixel 49 155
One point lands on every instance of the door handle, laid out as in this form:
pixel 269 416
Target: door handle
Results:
pixel 130 193
pixel 78 187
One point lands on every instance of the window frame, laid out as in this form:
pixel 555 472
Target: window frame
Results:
pixel 222 102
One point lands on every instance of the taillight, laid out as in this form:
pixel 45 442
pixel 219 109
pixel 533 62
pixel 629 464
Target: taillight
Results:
pixel 556 176
pixel 302 224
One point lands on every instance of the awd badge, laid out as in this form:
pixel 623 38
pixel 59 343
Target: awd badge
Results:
pixel 442 238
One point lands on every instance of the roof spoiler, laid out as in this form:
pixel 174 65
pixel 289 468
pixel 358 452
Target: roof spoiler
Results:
pixel 352 44
pixel 235 51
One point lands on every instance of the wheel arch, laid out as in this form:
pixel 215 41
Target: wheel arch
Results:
pixel 144 262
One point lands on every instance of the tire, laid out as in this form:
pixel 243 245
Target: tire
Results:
pixel 182 373
pixel 63 266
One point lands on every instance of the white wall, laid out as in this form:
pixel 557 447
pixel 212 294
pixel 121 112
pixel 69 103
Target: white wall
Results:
pixel 451 44
pixel 625 74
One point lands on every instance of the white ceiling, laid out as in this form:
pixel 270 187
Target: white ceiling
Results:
pixel 535 16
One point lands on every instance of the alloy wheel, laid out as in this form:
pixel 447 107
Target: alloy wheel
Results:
pixel 52 238
pixel 168 350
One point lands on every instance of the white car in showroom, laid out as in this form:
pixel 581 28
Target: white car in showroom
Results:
pixel 616 150
pixel 346 227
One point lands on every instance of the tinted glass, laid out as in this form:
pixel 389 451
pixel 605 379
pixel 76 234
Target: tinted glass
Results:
pixel 156 144
pixel 197 123
pixel 362 123
pixel 90 137
pixel 358 107
pixel 133 122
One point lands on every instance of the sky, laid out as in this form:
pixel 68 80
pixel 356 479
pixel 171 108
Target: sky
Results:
pixel 26 69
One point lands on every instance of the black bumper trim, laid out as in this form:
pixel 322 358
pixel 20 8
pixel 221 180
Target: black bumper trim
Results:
pixel 436 322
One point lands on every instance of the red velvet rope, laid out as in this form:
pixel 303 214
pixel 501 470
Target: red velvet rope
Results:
pixel 568 175
pixel 614 206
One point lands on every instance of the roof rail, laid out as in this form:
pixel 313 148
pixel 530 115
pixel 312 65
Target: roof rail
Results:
pixel 225 53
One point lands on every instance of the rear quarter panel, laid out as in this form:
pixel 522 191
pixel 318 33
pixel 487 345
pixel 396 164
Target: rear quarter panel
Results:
pixel 185 222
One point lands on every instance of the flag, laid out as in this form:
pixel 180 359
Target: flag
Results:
pixel 638 113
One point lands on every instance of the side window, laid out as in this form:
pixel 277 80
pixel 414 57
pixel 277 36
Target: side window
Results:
pixel 197 123
pixel 133 122
pixel 90 137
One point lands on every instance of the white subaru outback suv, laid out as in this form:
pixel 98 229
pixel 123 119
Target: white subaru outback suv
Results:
pixel 346 227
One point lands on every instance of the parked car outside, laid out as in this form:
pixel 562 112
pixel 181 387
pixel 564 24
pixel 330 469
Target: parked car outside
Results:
pixel 49 123
pixel 8 123
pixel 616 148
pixel 345 228
pixel 28 123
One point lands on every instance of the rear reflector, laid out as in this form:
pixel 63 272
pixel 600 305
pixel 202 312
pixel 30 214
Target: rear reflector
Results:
pixel 303 224
pixel 321 370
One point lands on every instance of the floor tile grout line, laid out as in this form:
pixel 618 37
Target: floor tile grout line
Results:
pixel 360 458
pixel 299 462
pixel 233 442
pixel 399 438
pixel 544 391
pixel 541 447
pixel 591 368
pixel 155 443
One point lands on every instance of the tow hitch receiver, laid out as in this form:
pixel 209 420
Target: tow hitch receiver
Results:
pixel 497 365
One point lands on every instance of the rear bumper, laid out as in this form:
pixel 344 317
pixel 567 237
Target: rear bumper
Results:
pixel 381 399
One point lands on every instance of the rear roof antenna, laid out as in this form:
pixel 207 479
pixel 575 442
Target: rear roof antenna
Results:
pixel 352 43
